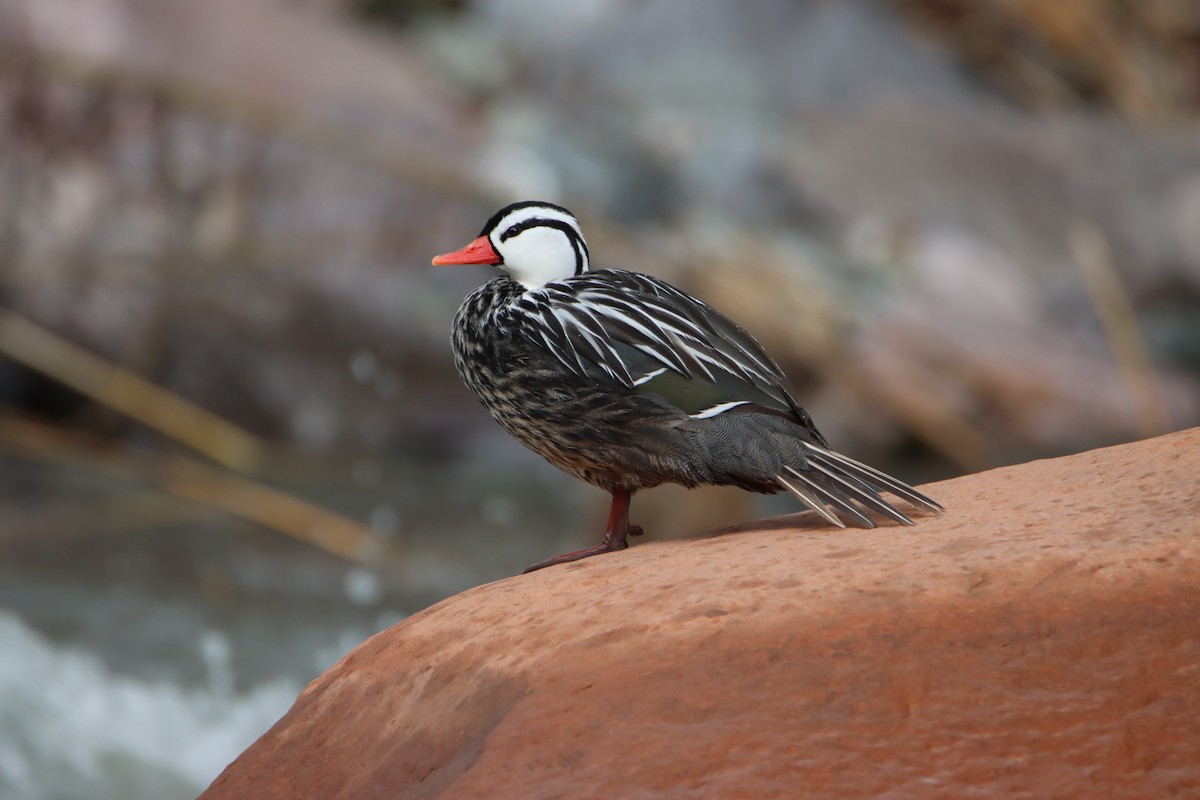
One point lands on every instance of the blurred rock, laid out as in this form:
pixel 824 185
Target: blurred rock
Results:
pixel 195 203
pixel 187 197
pixel 1138 59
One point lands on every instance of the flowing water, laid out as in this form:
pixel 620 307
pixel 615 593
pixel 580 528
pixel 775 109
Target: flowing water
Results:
pixel 136 661
pixel 73 727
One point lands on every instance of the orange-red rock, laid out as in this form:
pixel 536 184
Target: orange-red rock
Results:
pixel 1042 639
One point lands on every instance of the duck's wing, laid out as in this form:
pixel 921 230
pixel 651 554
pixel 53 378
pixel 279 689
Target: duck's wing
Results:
pixel 647 336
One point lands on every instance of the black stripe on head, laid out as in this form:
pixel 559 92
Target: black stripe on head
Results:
pixel 494 220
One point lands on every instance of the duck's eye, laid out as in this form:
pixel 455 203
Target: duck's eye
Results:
pixel 519 227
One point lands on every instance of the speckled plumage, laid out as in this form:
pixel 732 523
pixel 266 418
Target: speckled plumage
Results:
pixel 598 430
pixel 625 382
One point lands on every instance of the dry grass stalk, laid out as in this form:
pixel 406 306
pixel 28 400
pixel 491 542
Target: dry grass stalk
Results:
pixel 121 390
pixel 193 481
pixel 1089 247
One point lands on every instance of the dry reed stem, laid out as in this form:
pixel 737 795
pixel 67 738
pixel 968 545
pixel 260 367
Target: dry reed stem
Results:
pixel 1089 247
pixel 194 482
pixel 121 390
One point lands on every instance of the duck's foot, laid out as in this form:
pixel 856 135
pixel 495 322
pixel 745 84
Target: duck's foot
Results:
pixel 609 545
pixel 615 534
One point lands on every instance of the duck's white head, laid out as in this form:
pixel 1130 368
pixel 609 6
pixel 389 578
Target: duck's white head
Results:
pixel 532 241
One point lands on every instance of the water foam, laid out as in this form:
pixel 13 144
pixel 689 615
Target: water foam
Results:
pixel 72 728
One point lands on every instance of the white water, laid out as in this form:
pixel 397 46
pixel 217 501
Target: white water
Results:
pixel 72 728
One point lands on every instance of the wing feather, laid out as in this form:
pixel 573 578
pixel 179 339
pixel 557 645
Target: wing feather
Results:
pixel 626 326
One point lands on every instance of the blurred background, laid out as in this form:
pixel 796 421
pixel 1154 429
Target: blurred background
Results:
pixel 232 443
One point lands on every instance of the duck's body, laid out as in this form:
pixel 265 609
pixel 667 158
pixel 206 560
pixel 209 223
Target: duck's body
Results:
pixel 626 382
pixel 616 431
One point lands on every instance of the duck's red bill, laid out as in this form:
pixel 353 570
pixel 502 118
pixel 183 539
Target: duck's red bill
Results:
pixel 479 251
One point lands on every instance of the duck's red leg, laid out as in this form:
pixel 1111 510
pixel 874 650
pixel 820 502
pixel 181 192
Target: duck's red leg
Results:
pixel 615 533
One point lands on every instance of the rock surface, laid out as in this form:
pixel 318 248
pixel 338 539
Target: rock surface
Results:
pixel 1039 640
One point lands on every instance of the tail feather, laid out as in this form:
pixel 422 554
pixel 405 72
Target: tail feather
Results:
pixel 862 492
pixel 830 479
pixel 826 487
pixel 874 477
pixel 809 499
